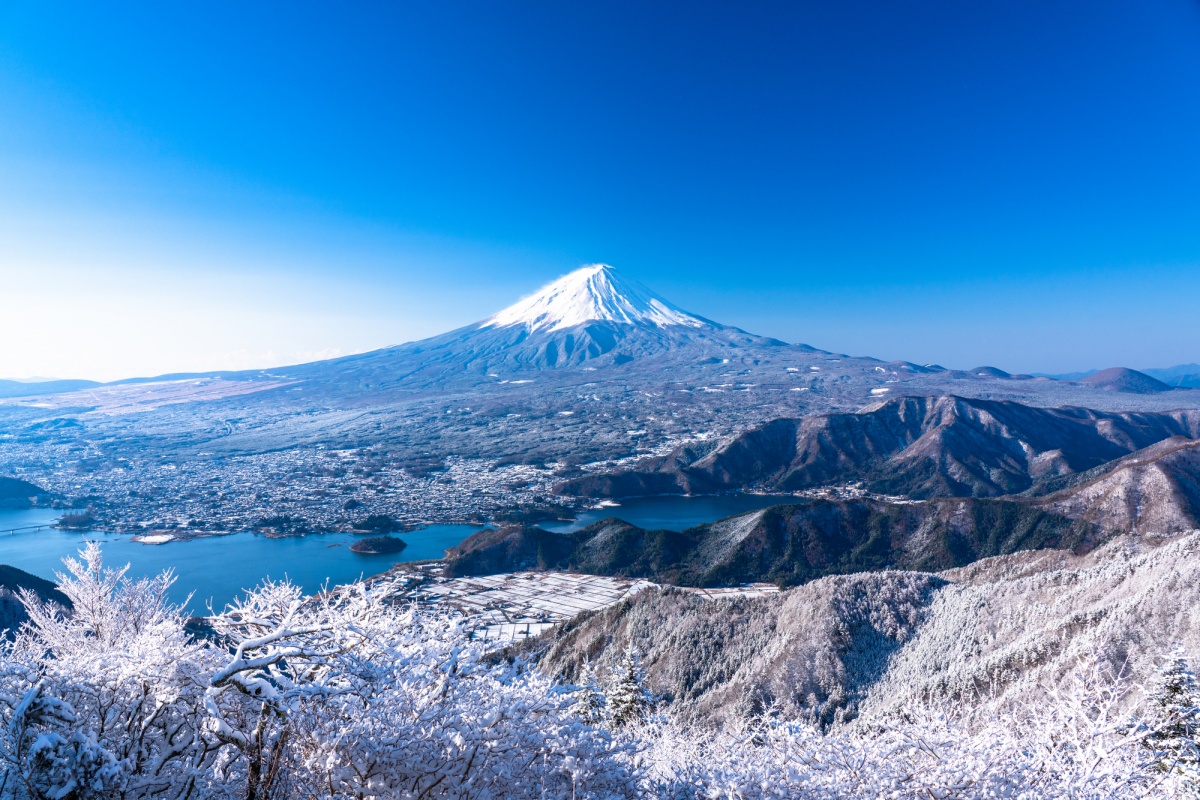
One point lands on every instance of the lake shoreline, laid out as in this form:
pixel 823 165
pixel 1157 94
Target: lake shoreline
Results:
pixel 217 565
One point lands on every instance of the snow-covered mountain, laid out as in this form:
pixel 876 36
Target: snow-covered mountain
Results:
pixel 592 367
pixel 595 293
pixel 592 316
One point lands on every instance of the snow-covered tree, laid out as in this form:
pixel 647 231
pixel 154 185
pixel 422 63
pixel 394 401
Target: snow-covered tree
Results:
pixel 1174 735
pixel 108 700
pixel 336 696
pixel 591 705
pixel 628 700
pixel 347 695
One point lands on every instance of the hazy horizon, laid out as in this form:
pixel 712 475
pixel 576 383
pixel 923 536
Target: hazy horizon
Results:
pixel 246 360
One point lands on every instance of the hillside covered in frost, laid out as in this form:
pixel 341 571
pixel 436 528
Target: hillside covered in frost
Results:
pixel 347 695
pixel 1002 630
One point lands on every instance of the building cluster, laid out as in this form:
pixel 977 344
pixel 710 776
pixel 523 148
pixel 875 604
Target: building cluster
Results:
pixel 289 491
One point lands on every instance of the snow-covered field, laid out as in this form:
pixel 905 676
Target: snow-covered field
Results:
pixel 523 604
pixel 520 605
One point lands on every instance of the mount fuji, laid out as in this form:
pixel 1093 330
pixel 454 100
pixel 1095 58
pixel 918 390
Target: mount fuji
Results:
pixel 593 316
pixel 591 367
pixel 592 294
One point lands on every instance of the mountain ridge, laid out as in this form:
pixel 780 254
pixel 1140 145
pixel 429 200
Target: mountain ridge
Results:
pixel 788 544
pixel 921 447
pixel 1002 628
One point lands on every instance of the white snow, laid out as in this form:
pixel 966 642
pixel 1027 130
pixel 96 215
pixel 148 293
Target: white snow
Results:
pixel 595 293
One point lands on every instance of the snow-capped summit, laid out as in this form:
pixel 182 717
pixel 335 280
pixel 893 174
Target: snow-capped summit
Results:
pixel 595 293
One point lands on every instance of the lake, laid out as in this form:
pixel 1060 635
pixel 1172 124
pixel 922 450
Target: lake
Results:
pixel 216 569
pixel 672 512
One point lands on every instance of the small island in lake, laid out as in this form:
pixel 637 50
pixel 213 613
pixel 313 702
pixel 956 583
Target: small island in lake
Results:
pixel 379 545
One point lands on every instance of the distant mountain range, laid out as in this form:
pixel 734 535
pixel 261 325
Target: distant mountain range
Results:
pixel 1154 490
pixel 596 317
pixel 1186 376
pixel 35 388
pixel 1153 493
pixel 1182 375
pixel 977 479
pixel 920 447
pixel 1061 478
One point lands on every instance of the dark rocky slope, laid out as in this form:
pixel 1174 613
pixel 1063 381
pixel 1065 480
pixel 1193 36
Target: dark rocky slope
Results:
pixel 16 493
pixel 12 581
pixel 787 544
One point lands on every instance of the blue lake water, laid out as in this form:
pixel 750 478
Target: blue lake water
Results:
pixel 216 569
pixel 673 512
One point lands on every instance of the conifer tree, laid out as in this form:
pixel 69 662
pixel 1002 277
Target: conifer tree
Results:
pixel 592 704
pixel 628 700
pixel 1175 739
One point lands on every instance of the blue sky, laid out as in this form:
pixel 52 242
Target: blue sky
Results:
pixel 216 186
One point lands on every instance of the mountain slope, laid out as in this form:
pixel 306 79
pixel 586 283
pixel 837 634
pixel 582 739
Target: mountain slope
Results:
pixel 1003 628
pixel 16 493
pixel 590 316
pixel 12 582
pixel 1123 379
pixel 787 544
pixel 1156 489
pixel 922 447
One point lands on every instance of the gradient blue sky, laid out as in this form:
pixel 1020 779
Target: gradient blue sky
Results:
pixel 190 187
